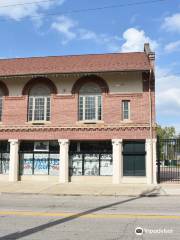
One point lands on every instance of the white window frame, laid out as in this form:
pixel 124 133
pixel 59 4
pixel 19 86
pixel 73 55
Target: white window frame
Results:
pixel 123 110
pixel 84 108
pixel 1 107
pixel 33 108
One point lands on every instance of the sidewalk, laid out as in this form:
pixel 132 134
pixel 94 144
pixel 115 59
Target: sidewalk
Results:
pixel 75 189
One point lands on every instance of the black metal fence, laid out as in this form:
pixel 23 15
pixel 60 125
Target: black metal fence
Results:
pixel 168 160
pixel 90 164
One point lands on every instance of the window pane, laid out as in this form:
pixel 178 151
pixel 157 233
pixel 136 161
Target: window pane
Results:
pixel 54 165
pixel 91 164
pixel 76 164
pixel 4 163
pixel 126 105
pixel 99 107
pixel 90 109
pixel 41 164
pixel 39 110
pixel 1 108
pixel 48 110
pixel 26 163
pixel 106 168
pixel 80 108
pixel 126 115
pixel 30 109
pixel 126 109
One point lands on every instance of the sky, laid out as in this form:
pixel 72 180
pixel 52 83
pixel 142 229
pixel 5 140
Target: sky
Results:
pixel 65 27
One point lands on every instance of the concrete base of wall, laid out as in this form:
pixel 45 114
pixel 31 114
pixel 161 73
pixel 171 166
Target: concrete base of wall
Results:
pixel 4 178
pixel 134 180
pixel 91 179
pixel 39 178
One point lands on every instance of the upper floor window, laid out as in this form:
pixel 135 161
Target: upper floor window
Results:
pixel 1 103
pixel 90 102
pixel 126 110
pixel 39 103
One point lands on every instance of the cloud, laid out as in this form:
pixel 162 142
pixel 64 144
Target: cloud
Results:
pixel 65 26
pixel 112 43
pixel 135 39
pixel 29 9
pixel 167 98
pixel 172 46
pixel 70 29
pixel 172 23
pixel 167 93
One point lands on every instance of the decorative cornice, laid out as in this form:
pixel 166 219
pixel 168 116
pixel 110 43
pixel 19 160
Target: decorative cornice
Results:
pixel 15 97
pixel 69 96
pixel 125 95
pixel 71 128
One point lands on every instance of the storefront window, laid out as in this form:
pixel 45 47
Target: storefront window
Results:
pixel 91 164
pixel 4 157
pixel 35 160
pixel 95 164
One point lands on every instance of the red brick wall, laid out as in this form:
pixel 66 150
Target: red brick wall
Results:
pixel 14 110
pixel 64 112
pixel 112 108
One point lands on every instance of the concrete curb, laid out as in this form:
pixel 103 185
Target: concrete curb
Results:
pixel 89 190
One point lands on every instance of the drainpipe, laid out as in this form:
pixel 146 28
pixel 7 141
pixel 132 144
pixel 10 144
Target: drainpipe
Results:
pixel 151 56
pixel 150 124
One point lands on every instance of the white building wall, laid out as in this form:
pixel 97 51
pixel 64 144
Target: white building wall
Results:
pixel 130 82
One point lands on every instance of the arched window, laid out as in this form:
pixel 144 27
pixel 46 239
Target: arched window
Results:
pixel 1 103
pixel 90 102
pixel 39 103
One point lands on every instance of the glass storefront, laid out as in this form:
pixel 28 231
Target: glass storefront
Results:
pixel 39 158
pixel 4 157
pixel 91 158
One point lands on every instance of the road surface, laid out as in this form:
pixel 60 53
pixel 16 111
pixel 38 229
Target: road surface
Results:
pixel 37 217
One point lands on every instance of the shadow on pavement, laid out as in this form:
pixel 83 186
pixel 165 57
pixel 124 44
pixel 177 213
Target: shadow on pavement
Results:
pixel 18 235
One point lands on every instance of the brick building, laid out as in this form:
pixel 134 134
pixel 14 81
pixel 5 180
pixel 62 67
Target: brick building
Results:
pixel 88 118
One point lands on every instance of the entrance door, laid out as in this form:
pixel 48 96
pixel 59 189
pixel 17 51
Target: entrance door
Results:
pixel 134 163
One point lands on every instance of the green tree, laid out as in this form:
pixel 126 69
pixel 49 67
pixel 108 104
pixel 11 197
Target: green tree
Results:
pixel 165 132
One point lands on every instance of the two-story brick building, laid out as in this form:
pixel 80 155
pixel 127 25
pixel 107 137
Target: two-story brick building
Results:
pixel 83 118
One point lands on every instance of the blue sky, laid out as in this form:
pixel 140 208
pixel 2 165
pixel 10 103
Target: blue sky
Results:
pixel 29 30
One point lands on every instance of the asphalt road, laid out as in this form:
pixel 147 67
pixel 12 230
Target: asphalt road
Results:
pixel 94 218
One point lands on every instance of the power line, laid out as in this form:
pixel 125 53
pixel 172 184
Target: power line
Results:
pixel 28 3
pixel 93 9
pixel 104 8
pixel 98 8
